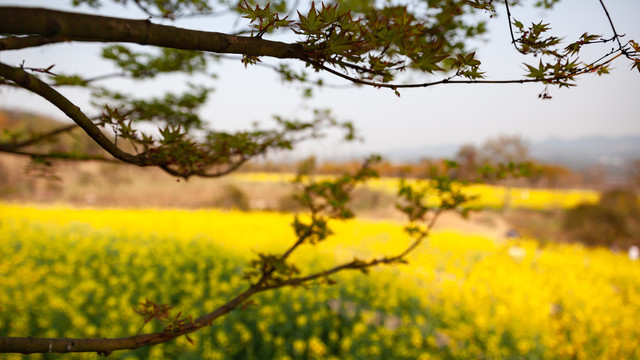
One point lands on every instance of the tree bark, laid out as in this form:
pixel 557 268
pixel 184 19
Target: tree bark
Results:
pixel 84 27
pixel 30 345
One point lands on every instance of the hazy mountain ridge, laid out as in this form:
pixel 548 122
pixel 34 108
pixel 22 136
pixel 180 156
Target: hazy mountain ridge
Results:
pixel 587 151
pixel 576 153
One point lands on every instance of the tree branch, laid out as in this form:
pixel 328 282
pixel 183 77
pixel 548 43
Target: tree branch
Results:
pixel 59 156
pixel 87 81
pixel 613 28
pixel 513 39
pixel 206 174
pixel 424 84
pixel 586 69
pixel 161 155
pixel 359 264
pixel 30 345
pixel 35 85
pixel 35 139
pixel 85 27
pixel 22 42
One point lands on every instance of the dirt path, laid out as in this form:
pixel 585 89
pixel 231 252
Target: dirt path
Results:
pixel 487 223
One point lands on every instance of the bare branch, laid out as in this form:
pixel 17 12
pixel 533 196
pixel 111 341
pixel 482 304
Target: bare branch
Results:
pixel 36 139
pixel 513 39
pixel 60 156
pixel 144 8
pixel 424 84
pixel 22 42
pixel 207 174
pixel 278 70
pixel 173 16
pixel 87 81
pixel 613 28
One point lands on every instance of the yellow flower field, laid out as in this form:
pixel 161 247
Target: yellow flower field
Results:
pixel 488 196
pixel 80 272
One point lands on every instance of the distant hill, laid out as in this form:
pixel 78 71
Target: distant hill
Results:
pixel 587 151
pixel 577 153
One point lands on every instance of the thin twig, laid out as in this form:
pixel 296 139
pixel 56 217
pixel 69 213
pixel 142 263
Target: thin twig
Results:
pixel 424 84
pixel 37 138
pixel 613 28
pixel 172 16
pixel 60 156
pixel 513 39
pixel 358 264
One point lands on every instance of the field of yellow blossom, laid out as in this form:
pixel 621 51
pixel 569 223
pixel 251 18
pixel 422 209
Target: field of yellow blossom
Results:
pixel 488 196
pixel 80 272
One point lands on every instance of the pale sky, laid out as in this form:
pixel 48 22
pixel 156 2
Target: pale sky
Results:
pixel 449 114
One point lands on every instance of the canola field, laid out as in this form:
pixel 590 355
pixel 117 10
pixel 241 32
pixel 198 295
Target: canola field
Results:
pixel 488 196
pixel 80 272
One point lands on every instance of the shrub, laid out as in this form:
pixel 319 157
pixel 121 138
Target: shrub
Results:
pixel 624 201
pixel 367 199
pixel 289 203
pixel 594 224
pixel 609 222
pixel 5 175
pixel 232 198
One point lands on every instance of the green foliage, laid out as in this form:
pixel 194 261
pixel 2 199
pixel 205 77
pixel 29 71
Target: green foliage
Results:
pixel 215 153
pixel 69 80
pixel 378 43
pixel 563 65
pixel 147 65
pixel 323 200
pixel 177 110
pixel 532 40
pixel 331 197
pixel 500 171
pixel 150 310
pixel 169 9
pixel 263 20
pixel 413 198
pixel 636 48
pixel 307 166
pixel 375 41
